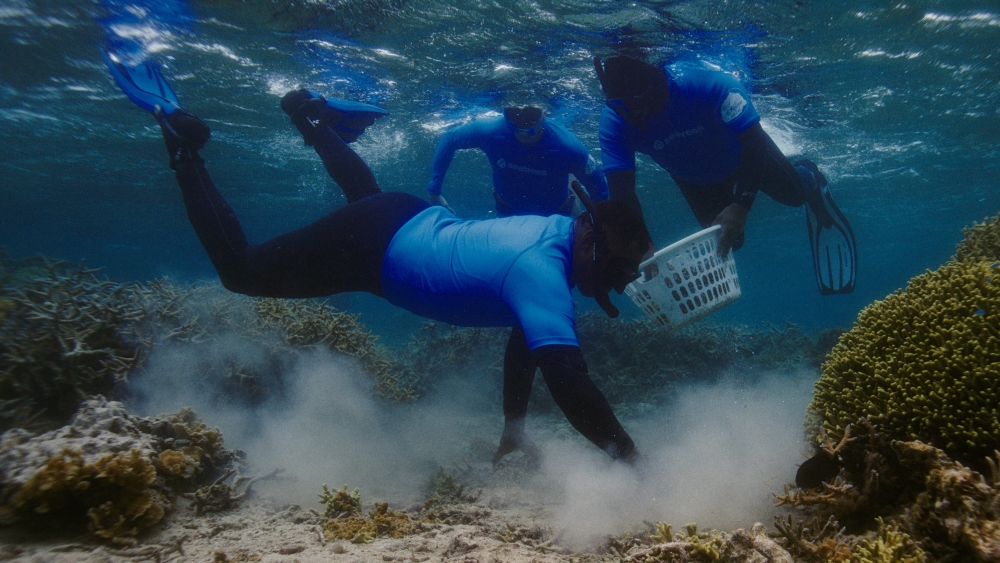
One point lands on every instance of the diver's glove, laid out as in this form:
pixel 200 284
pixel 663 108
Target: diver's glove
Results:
pixel 309 111
pixel 814 181
pixel 184 132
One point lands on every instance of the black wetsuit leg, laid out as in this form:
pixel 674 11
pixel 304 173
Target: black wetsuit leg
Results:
pixel 518 375
pixel 706 200
pixel 584 405
pixel 762 167
pixel 340 252
pixel 344 165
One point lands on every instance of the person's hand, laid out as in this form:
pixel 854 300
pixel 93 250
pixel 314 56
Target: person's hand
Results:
pixel 514 439
pixel 438 199
pixel 651 271
pixel 733 219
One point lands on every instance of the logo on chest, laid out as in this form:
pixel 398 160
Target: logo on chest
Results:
pixel 501 163
pixel 660 143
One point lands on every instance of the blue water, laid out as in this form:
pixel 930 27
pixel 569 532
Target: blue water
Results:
pixel 898 103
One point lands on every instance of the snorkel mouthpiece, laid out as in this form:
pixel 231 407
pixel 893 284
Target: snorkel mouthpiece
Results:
pixel 600 294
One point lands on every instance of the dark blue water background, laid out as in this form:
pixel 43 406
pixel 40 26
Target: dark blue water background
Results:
pixel 899 103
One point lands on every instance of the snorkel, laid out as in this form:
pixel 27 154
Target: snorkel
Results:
pixel 610 273
pixel 633 89
pixel 528 123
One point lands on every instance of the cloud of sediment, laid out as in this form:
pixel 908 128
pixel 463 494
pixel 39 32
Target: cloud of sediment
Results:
pixel 325 426
pixel 712 457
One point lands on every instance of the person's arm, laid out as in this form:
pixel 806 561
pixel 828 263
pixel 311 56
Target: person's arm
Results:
pixel 592 178
pixel 618 158
pixel 586 408
pixel 464 137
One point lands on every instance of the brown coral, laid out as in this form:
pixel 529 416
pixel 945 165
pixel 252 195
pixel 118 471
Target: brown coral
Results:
pixel 116 488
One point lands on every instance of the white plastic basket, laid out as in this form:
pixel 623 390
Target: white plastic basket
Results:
pixel 692 281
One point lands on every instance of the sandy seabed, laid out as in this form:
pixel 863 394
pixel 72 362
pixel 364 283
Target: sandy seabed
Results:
pixel 505 523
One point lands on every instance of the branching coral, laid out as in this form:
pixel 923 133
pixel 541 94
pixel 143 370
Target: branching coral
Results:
pixel 923 364
pixel 890 546
pixel 60 341
pixel 981 241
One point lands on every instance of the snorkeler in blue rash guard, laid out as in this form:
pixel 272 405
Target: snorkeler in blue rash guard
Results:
pixel 701 127
pixel 499 272
pixel 531 160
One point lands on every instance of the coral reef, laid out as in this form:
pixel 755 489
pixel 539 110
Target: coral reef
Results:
pixel 200 315
pixel 106 468
pixel 66 334
pixel 61 340
pixel 633 362
pixel 911 498
pixel 922 364
pixel 980 242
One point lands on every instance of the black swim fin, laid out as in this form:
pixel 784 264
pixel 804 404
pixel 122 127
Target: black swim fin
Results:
pixel 834 248
pixel 347 118
pixel 143 84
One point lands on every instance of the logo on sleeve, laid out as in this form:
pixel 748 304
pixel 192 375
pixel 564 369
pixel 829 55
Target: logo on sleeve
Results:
pixel 733 106
pixel 501 163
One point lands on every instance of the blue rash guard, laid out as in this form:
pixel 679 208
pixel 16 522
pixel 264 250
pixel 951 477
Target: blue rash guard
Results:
pixel 501 272
pixel 694 138
pixel 527 178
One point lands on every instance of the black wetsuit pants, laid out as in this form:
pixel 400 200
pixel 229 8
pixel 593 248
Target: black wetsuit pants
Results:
pixel 762 167
pixel 344 251
pixel 340 252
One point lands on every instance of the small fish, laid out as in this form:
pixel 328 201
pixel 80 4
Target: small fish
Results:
pixel 815 470
pixel 995 265
pixel 980 312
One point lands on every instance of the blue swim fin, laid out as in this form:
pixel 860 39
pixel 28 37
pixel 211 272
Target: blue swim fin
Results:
pixel 834 248
pixel 350 108
pixel 143 84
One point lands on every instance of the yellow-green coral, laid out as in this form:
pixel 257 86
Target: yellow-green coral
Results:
pixel 381 522
pixel 340 502
pixel 981 241
pixel 890 546
pixel 664 533
pixel 923 364
pixel 344 519
pixel 115 492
